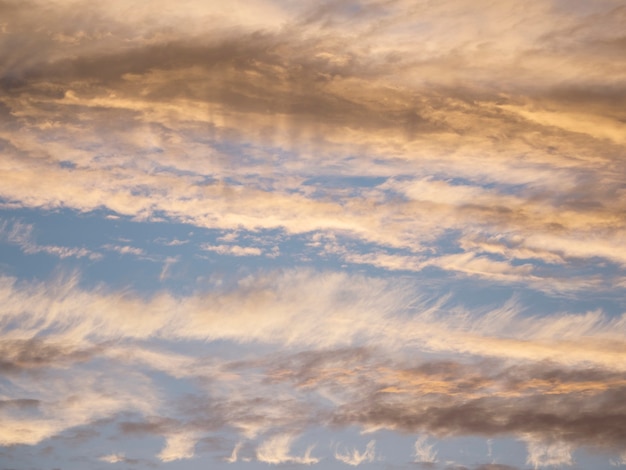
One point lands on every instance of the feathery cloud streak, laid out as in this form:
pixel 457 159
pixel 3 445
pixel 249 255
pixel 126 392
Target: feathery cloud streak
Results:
pixel 475 389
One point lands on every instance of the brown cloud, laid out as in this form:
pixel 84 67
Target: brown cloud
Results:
pixel 581 406
pixel 155 425
pixel 38 355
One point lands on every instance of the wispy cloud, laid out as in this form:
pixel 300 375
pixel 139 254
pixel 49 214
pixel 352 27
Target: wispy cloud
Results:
pixel 21 234
pixel 424 451
pixel 234 456
pixel 277 450
pixel 178 446
pixel 112 458
pixel 308 171
pixel 552 405
pixel 548 454
pixel 233 250
pixel 621 460
pixel 355 457
pixel 125 249
pixel 456 141
pixel 350 309
pixel 63 401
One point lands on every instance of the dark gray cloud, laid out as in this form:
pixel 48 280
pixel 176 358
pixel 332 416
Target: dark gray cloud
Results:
pixel 582 406
pixel 21 404
pixel 368 388
pixel 78 436
pixel 39 354
pixel 250 75
pixel 576 418
pixel 154 426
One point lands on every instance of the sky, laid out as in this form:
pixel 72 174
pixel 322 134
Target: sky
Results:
pixel 387 234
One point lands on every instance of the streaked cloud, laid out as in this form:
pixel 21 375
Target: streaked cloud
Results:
pixel 234 250
pixel 234 456
pixel 550 392
pixel 551 454
pixel 113 458
pixel 389 313
pixel 178 446
pixel 20 234
pixel 424 451
pixel 355 457
pixel 621 460
pixel 276 450
pixel 250 232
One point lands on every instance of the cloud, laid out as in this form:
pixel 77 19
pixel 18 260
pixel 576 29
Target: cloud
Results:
pixel 424 452
pixel 356 457
pixel 125 249
pixel 367 129
pixel 32 355
pixel 444 415
pixel 177 447
pixel 297 95
pixel 233 250
pixel 113 458
pixel 548 454
pixel 153 425
pixel 234 454
pixel 539 402
pixel 65 401
pixel 276 450
pixel 167 264
pixel 621 460
pixel 20 403
pixel 21 234
pixel 294 390
pixel 350 309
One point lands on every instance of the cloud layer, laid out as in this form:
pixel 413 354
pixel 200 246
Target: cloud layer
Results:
pixel 427 368
pixel 470 135
pixel 372 216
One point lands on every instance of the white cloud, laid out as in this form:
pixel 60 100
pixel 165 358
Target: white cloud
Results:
pixel 276 450
pixel 355 457
pixel 233 250
pixel 113 458
pixel 619 461
pixel 425 451
pixel 21 234
pixel 178 446
pixel 125 249
pixel 348 310
pixel 167 264
pixel 543 453
pixel 235 453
